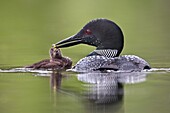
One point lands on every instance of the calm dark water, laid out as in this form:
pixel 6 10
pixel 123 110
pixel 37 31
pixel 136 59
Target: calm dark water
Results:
pixel 41 91
pixel 29 28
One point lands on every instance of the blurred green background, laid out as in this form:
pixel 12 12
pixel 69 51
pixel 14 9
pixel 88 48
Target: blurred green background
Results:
pixel 28 28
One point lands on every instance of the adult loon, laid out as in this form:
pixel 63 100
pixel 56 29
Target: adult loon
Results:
pixel 108 39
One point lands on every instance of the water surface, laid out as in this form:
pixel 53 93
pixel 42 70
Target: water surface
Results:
pixel 52 91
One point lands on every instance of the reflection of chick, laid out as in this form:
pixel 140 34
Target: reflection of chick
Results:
pixel 56 61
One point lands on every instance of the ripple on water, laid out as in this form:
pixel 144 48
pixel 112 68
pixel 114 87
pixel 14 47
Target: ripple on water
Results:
pixel 25 70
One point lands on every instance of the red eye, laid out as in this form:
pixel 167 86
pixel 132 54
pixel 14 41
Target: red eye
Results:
pixel 88 32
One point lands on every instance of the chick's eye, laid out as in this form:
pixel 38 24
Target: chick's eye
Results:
pixel 88 32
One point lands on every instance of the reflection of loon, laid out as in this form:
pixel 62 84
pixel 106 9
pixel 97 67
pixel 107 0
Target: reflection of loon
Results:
pixel 108 38
pixel 102 88
pixel 108 87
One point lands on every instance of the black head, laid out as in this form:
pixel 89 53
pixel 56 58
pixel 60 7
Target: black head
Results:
pixel 101 33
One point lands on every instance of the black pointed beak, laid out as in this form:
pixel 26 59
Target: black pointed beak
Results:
pixel 70 41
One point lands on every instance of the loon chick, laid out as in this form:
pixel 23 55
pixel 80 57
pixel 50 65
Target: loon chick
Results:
pixel 108 39
pixel 56 61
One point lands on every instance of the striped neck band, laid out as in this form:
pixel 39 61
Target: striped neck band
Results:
pixel 107 52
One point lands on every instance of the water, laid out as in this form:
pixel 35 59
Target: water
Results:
pixel 29 28
pixel 25 90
